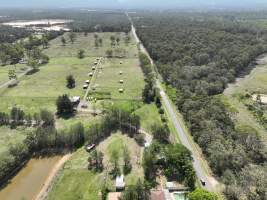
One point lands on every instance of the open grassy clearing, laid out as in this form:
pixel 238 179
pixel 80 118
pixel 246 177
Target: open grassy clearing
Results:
pixel 108 80
pixel 148 116
pixel 87 43
pixel 255 82
pixel 40 90
pixel 117 142
pixel 19 68
pixel 10 137
pixel 75 181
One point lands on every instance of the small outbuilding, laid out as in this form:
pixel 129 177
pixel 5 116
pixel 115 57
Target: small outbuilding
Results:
pixel 85 86
pixel 121 90
pixel 87 81
pixel 75 100
pixel 95 63
pixel 93 68
pixel 120 184
pixel 174 186
pixel 90 74
pixel 121 62
pixel 121 81
pixel 89 147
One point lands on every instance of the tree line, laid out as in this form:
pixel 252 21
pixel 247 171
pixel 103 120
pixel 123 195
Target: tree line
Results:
pixel 13 53
pixel 197 59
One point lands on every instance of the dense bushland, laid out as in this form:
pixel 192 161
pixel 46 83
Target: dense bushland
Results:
pixel 83 20
pixel 198 57
pixel 10 34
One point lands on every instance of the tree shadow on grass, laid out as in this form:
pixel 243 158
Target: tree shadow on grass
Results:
pixel 66 115
pixel 32 71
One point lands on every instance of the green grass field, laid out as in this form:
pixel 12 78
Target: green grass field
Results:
pixel 19 68
pixel 75 181
pixel 108 79
pixel 117 142
pixel 10 137
pixel 148 116
pixel 87 43
pixel 40 90
pixel 255 82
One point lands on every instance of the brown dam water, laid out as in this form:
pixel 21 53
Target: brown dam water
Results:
pixel 29 180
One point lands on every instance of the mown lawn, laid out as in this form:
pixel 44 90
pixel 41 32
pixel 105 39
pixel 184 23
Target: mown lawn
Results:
pixel 75 181
pixel 10 137
pixel 87 43
pixel 117 142
pixel 40 90
pixel 148 116
pixel 19 68
pixel 108 79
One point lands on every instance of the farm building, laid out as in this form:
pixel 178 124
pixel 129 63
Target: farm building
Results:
pixel 85 86
pixel 120 184
pixel 95 63
pixel 87 81
pixel 90 74
pixel 93 68
pixel 121 81
pixel 75 100
pixel 121 90
pixel 174 186
pixel 121 62
pixel 121 72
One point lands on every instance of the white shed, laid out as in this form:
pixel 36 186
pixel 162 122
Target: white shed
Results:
pixel 120 184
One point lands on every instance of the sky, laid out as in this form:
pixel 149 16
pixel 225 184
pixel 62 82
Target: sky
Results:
pixel 164 4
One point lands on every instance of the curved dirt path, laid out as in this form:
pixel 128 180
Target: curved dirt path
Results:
pixel 48 182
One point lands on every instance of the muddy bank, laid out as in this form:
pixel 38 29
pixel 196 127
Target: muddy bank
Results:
pixel 30 179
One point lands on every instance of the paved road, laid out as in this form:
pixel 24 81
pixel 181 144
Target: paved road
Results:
pixel 185 139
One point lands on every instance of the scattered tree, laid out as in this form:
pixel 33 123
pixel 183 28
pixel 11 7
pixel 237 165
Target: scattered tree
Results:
pixel 127 167
pixel 109 53
pixel 70 81
pixel 63 41
pixel 72 37
pixel 64 105
pixel 81 53
pixel 200 194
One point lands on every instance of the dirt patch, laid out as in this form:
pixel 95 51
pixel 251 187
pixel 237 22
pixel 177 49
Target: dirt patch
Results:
pixel 48 183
